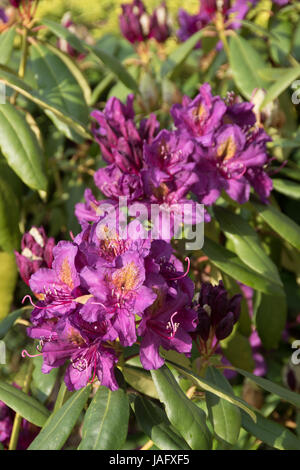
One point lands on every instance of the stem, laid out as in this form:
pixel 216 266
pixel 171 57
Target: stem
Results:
pixel 18 418
pixel 148 445
pixel 22 67
pixel 221 31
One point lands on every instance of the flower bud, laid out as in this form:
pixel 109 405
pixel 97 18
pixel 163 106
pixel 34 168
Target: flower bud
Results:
pixel 160 24
pixel 135 22
pixel 36 253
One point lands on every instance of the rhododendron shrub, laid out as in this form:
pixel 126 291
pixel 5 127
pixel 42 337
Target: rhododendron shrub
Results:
pixel 149 187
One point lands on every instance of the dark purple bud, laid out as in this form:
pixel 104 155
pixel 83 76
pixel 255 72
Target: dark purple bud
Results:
pixel 37 252
pixel 135 21
pixel 160 24
pixel 225 326
pixel 15 3
pixel 203 327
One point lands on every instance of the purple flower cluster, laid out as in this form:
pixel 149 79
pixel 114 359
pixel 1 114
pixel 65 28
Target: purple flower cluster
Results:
pixel 216 145
pixel 190 24
pixel 138 26
pixel 102 292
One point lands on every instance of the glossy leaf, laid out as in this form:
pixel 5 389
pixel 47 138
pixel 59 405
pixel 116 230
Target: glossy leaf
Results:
pixel 224 416
pixel 28 407
pixel 25 90
pixel 270 319
pixel 247 244
pixel 6 45
pixel 284 393
pixel 8 279
pixel 106 421
pixel 58 86
pixel 238 351
pixel 280 85
pixel 183 414
pixel 270 432
pixel 108 60
pixel 155 424
pixel 280 223
pixel 287 187
pixel 60 424
pixel 140 380
pixel 8 322
pixel 207 386
pixel 180 54
pixel 20 148
pixel 42 384
pixel 245 63
pixel 9 216
pixel 230 263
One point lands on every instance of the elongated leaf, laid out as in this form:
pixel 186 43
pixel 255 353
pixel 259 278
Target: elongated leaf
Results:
pixel 224 416
pixel 60 424
pixel 229 262
pixel 26 406
pixel 238 351
pixel 140 380
pixel 287 187
pixel 8 322
pixel 42 384
pixel 245 63
pixel 21 87
pixel 106 421
pixel 270 319
pixel 271 387
pixel 58 86
pixel 247 244
pixel 9 216
pixel 155 424
pixel 20 148
pixel 270 432
pixel 8 279
pixel 280 223
pixel 204 384
pixel 108 60
pixel 183 414
pixel 6 45
pixel 180 54
pixel 280 85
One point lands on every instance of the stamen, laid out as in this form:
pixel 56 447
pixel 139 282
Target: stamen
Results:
pixel 25 353
pixel 184 274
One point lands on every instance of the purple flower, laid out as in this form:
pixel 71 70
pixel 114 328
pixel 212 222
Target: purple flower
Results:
pixel 16 3
pixel 36 252
pixel 189 25
pixel 3 16
pixel 120 141
pixel 167 323
pixel 57 287
pixel 160 27
pixel 135 22
pixel 114 183
pixel 201 116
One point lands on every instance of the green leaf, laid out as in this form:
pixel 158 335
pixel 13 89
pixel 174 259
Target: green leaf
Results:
pixel 8 279
pixel 245 63
pixel 270 432
pixel 284 393
pixel 9 216
pixel 8 322
pixel 108 60
pixel 28 407
pixel 270 319
pixel 238 351
pixel 105 424
pixel 140 380
pixel 42 384
pixel 155 424
pixel 180 54
pixel 280 46
pixel 6 45
pixel 247 244
pixel 183 414
pixel 58 86
pixel 20 148
pixel 280 223
pixel 224 416
pixel 280 85
pixel 207 386
pixel 23 89
pixel 287 187
pixel 60 424
pixel 229 263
